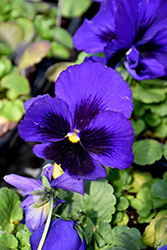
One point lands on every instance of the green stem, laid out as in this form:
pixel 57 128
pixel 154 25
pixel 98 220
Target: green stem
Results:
pixel 47 223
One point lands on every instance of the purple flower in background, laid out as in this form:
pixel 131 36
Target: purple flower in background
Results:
pixel 163 248
pixel 85 127
pixel 61 236
pixel 135 30
pixel 36 205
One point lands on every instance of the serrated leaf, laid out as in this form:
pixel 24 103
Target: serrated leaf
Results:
pixel 16 82
pixel 62 36
pixel 147 151
pixel 10 209
pixel 94 203
pixel 23 237
pixel 151 95
pixel 8 241
pixel 74 8
pixel 159 189
pixel 34 54
pixel 11 33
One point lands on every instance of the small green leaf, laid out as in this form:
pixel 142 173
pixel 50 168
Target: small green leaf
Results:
pixel 5 66
pixel 10 210
pixel 148 95
pixel 28 28
pixel 139 178
pixel 165 150
pixel 160 108
pixel 46 183
pixel 147 151
pixel 94 203
pixel 152 120
pixel 74 8
pixel 160 231
pixel 11 111
pixel 11 33
pixel 122 204
pixel 138 126
pixel 23 237
pixel 161 130
pixel 5 49
pixel 159 189
pixel 58 51
pixel 61 36
pixel 16 82
pixel 54 70
pixel 8 241
pixel 34 54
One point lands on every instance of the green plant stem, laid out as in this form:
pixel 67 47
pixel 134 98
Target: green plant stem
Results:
pixel 47 223
pixel 58 20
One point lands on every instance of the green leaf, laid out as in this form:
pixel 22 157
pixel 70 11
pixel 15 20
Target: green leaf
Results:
pixel 139 108
pixel 160 231
pixel 17 83
pixel 54 70
pixel 103 234
pixel 23 236
pixel 139 178
pixel 74 8
pixel 89 229
pixel 28 28
pixel 95 204
pixel 10 210
pixel 138 126
pixel 5 49
pixel 152 120
pixel 61 36
pixel 148 95
pixel 160 108
pixel 11 33
pixel 165 150
pixel 124 221
pixel 8 241
pixel 147 151
pixel 58 51
pixel 159 189
pixel 5 66
pixel 161 130
pixel 11 111
pixel 122 204
pixel 34 54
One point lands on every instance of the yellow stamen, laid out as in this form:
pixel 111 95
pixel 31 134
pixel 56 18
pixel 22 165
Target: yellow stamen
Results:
pixel 73 138
pixel 57 171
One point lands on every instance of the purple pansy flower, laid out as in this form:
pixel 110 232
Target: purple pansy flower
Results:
pixel 61 236
pixel 135 30
pixel 36 205
pixel 163 248
pixel 85 127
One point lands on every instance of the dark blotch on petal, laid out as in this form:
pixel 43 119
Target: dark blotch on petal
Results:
pixel 71 156
pixel 97 140
pixel 86 111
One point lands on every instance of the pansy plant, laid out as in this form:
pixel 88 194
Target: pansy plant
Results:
pixel 38 202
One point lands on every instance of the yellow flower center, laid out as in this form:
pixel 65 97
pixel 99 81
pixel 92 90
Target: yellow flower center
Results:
pixel 73 137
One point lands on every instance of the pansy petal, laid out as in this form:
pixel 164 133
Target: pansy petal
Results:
pixel 74 160
pixel 46 119
pixel 147 68
pixel 109 138
pixel 66 182
pixel 92 87
pixel 93 35
pixel 27 185
pixel 28 103
pixel 61 236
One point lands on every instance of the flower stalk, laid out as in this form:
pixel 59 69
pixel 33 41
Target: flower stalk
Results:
pixel 42 241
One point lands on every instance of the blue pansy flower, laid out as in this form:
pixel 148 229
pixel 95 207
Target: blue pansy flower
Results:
pixel 61 236
pixel 36 205
pixel 85 127
pixel 135 30
pixel 163 248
